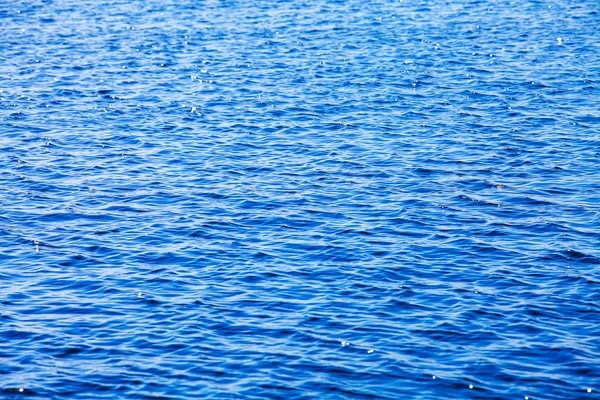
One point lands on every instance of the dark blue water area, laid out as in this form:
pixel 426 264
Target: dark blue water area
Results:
pixel 300 199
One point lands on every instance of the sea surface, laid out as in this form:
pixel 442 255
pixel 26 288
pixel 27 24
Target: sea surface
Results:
pixel 304 199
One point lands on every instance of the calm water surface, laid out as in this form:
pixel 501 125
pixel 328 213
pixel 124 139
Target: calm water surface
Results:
pixel 300 199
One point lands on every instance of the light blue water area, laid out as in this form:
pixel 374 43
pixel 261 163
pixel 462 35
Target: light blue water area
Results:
pixel 300 199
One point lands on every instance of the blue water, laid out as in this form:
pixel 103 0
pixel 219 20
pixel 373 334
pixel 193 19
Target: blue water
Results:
pixel 300 199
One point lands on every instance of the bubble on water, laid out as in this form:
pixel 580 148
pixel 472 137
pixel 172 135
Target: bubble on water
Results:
pixel 470 386
pixel 21 390
pixel 433 377
pixel 589 390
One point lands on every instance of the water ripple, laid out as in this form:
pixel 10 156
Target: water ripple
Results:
pixel 299 199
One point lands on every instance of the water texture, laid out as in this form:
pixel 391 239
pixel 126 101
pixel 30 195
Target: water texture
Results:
pixel 300 199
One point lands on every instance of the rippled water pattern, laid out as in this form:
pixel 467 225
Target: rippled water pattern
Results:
pixel 300 199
